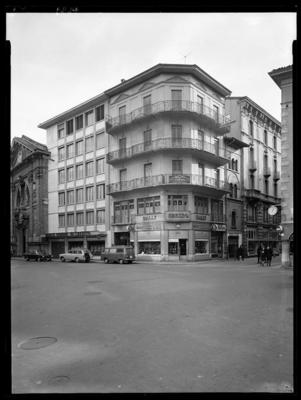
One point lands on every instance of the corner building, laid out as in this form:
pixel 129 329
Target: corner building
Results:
pixel 167 163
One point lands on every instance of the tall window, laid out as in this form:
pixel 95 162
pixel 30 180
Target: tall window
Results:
pixel 122 114
pixel 201 205
pixel 61 198
pixel 70 127
pixel 100 191
pixel 70 196
pixel 216 113
pixel 100 216
pixel 266 186
pixel 147 173
pixel 147 139
pixel 70 174
pixel 89 118
pixel 122 147
pixel 80 218
pixel 216 210
pixel 100 164
pixel 252 185
pixel 90 217
pixel 123 211
pixel 176 134
pixel 147 104
pixel 233 220
pixel 70 150
pixel 177 167
pixel 275 142
pixel 89 144
pixel 61 153
pixel 79 171
pixel 251 128
pixel 89 168
pixel 61 220
pixel 275 165
pixel 122 176
pixel 231 189
pixel 100 140
pixel 275 189
pixel 80 195
pixel 201 137
pixel 177 202
pixel 235 191
pixel 100 113
pixel 60 131
pixel 265 137
pixel 79 122
pixel 70 219
pixel 79 147
pixel 89 193
pixel 148 205
pixel 176 99
pixel 200 103
pixel 61 176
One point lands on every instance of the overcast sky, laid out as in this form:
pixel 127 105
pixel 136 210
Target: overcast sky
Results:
pixel 61 60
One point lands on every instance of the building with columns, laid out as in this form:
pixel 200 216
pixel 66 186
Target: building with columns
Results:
pixel 29 195
pixel 259 135
pixel 283 77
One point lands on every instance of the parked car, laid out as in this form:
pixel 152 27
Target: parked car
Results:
pixel 76 255
pixel 120 254
pixel 37 255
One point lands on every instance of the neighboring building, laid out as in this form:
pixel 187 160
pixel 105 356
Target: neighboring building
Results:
pixel 78 208
pixel 165 175
pixel 260 155
pixel 29 195
pixel 283 77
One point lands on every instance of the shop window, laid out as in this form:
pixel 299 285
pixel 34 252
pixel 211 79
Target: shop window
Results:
pixel 177 202
pixel 79 122
pixel 149 248
pixel 173 248
pixel 201 247
pixel 100 113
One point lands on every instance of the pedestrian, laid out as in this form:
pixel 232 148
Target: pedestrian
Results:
pixel 242 252
pixel 238 253
pixel 262 256
pixel 259 249
pixel 269 256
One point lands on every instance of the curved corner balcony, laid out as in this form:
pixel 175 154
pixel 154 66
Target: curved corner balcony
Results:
pixel 207 152
pixel 205 116
pixel 207 185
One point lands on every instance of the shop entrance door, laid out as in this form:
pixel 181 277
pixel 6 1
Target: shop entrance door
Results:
pixel 183 247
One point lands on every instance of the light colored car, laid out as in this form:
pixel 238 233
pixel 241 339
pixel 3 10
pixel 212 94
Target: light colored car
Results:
pixel 120 254
pixel 76 255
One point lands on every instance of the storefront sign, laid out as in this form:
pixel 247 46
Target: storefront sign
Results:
pixel 144 218
pixel 148 226
pixel 179 179
pixel 74 234
pixel 201 217
pixel 218 227
pixel 178 216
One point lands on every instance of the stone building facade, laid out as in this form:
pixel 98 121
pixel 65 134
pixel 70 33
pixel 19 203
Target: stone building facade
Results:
pixel 29 195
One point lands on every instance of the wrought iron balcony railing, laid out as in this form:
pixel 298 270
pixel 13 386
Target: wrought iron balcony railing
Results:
pixel 171 106
pixel 168 179
pixel 216 151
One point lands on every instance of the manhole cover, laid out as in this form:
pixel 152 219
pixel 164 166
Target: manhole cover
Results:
pixel 290 309
pixel 37 343
pixel 58 380
pixel 92 293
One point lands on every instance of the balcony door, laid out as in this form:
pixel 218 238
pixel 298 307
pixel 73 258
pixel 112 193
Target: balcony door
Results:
pixel 176 135
pixel 122 147
pixel 147 139
pixel 177 167
pixel 200 104
pixel 147 174
pixel 147 106
pixel 122 178
pixel 216 113
pixel 176 99
pixel 122 113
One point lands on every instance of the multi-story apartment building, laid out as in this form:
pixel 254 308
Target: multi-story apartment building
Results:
pixel 167 163
pixel 260 165
pixel 29 195
pixel 77 178
pixel 164 171
pixel 283 77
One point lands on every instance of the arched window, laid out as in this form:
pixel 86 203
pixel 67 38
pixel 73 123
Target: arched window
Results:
pixel 235 191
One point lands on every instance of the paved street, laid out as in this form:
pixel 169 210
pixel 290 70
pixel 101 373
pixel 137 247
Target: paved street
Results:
pixel 217 326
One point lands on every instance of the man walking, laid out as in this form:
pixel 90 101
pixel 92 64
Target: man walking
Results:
pixel 259 250
pixel 269 255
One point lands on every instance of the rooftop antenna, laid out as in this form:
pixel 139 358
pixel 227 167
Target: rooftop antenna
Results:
pixel 185 56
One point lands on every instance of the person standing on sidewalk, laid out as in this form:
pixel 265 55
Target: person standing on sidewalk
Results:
pixel 259 250
pixel 269 255
pixel 262 256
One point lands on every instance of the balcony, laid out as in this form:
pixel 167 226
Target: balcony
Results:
pixel 258 195
pixel 266 172
pixel 209 186
pixel 208 152
pixel 253 166
pixel 206 116
pixel 276 175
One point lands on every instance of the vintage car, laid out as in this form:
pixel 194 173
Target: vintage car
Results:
pixel 76 255
pixel 120 254
pixel 37 255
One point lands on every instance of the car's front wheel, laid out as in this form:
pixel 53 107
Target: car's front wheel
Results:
pixel 76 259
pixel 120 261
pixel 63 259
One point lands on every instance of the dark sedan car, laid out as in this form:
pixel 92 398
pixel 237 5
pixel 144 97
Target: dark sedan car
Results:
pixel 37 256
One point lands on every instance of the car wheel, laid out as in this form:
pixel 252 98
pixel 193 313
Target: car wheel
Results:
pixel 106 261
pixel 27 258
pixel 62 259
pixel 120 261
pixel 76 259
